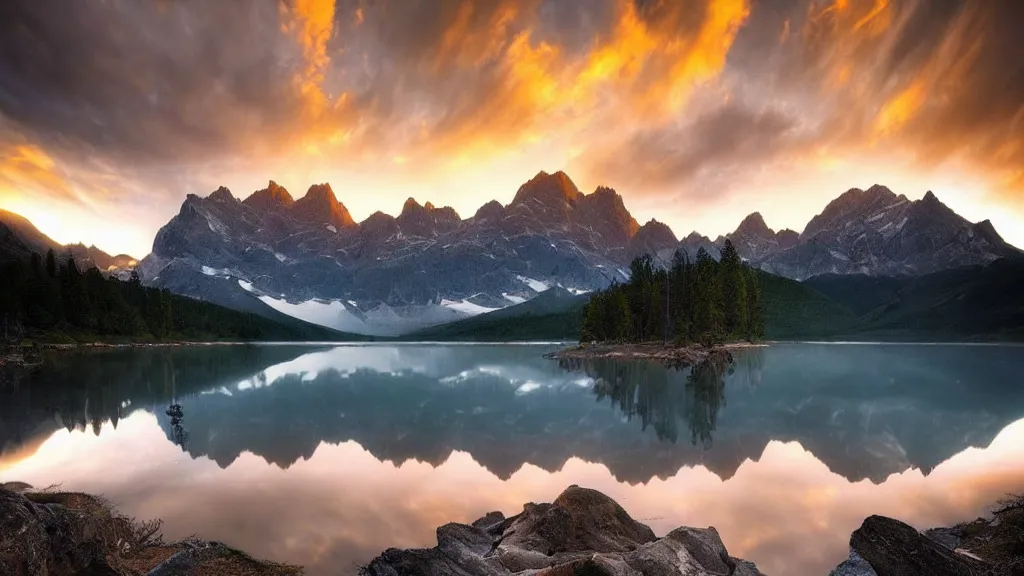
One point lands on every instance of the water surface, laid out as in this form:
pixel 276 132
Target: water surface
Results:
pixel 324 455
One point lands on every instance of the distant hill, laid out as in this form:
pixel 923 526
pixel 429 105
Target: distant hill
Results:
pixel 796 311
pixel 980 303
pixel 969 303
pixel 19 239
pixel 859 292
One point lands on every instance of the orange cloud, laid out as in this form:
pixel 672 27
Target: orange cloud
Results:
pixel 899 109
pixel 311 22
pixel 26 169
pixel 643 70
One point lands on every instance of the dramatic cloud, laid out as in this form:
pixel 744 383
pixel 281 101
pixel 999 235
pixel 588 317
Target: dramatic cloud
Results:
pixel 696 111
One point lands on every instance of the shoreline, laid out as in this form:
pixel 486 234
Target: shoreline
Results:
pixel 671 354
pixel 581 531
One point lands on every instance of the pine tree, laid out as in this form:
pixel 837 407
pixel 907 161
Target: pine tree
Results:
pixel 755 311
pixel 734 291
pixel 639 290
pixel 51 264
pixel 708 317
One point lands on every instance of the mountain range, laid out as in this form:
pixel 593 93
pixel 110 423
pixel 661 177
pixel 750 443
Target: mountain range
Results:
pixel 386 275
pixel 19 238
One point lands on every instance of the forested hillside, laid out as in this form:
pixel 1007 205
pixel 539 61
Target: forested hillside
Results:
pixel 795 311
pixel 55 300
pixel 969 303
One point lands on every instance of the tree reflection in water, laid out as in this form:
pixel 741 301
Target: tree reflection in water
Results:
pixel 178 433
pixel 661 396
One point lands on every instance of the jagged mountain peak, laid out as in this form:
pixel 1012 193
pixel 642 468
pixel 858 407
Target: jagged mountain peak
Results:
pixel 547 188
pixel 426 220
pixel 271 197
pixel 222 194
pixel 605 213
pixel 854 204
pixel 320 192
pixel 411 205
pixel 651 238
pixel 492 210
pixel 321 206
pixel 754 224
pixel 377 219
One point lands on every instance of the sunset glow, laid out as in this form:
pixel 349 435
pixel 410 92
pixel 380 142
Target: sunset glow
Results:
pixel 698 113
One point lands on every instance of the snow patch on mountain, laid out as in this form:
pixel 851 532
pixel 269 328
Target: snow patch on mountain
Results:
pixel 513 298
pixel 329 313
pixel 215 272
pixel 466 307
pixel 535 285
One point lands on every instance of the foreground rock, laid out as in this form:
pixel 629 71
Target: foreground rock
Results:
pixel 986 547
pixel 67 533
pixel 581 532
pixel 668 354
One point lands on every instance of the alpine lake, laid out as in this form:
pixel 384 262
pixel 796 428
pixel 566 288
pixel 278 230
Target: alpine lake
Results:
pixel 325 455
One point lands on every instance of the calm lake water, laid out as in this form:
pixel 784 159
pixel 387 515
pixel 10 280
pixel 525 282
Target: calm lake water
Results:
pixel 324 456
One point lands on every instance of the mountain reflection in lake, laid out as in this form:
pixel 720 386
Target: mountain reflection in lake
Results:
pixel 327 455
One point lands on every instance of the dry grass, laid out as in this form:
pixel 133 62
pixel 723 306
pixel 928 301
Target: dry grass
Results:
pixel 133 547
pixel 999 541
pixel 122 538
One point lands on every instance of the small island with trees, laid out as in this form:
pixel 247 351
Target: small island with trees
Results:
pixel 679 312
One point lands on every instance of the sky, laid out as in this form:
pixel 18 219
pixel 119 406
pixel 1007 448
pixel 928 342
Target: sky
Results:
pixel 697 111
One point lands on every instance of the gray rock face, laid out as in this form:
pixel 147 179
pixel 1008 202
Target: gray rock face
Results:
pixel 878 233
pixel 754 240
pixel 389 275
pixel 581 532
pixel 652 238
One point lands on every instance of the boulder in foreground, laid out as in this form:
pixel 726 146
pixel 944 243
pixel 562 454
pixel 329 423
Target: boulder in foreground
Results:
pixel 583 532
pixel 986 547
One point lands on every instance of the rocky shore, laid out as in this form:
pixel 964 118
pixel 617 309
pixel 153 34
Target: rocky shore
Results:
pixel 992 546
pixel 670 354
pixel 582 533
pixel 69 534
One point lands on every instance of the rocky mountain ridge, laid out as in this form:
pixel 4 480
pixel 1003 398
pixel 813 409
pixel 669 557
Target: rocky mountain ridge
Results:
pixel 19 238
pixel 388 275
